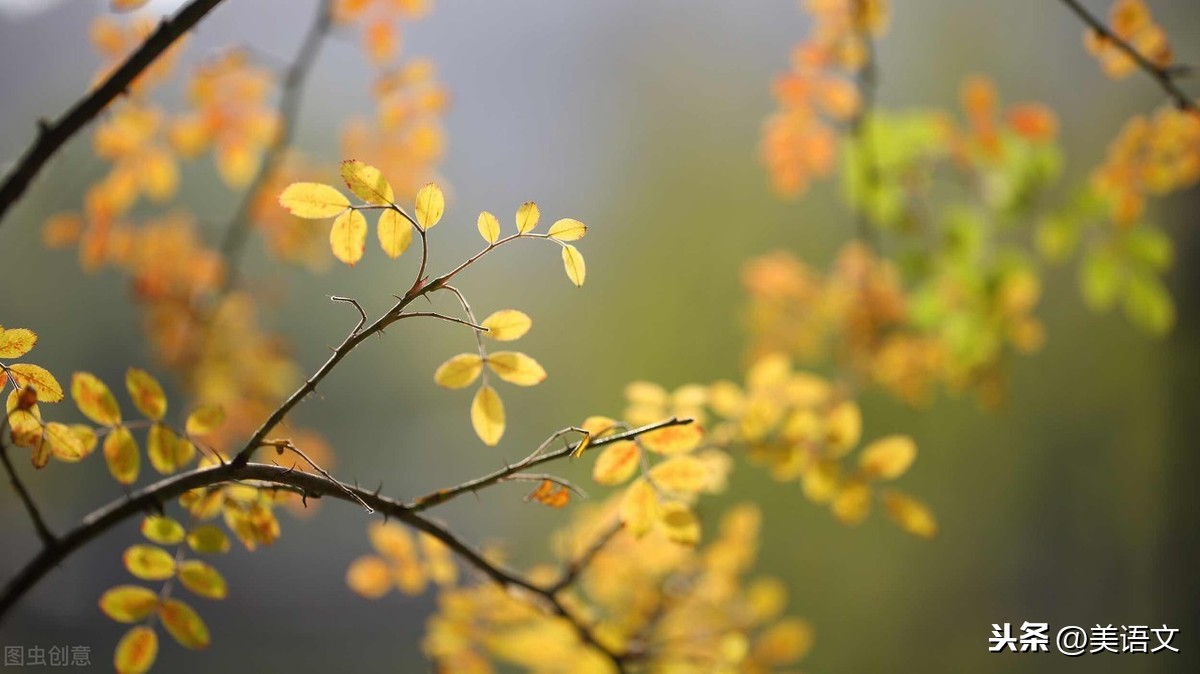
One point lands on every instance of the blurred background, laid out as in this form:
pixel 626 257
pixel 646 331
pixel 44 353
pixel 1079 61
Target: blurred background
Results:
pixel 1073 504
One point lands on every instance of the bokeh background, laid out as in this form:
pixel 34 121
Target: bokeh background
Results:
pixel 1074 504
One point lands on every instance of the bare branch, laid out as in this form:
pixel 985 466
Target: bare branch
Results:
pixel 53 135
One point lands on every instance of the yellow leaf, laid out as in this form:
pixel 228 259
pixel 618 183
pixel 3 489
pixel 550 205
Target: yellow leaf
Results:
pixel 184 624
pixel 852 503
pixel 136 651
pixel 146 393
pixel 162 530
pixel 203 504
pixel 673 439
pixel 821 481
pixel 16 342
pixel 912 515
pixel 128 603
pixel 369 576
pixel 64 443
pixel 48 388
pixel 783 643
pixel 161 448
pixel 395 233
pixel 683 473
pixel 431 204
pixel 489 227
pixel 599 426
pixel 573 262
pixel 459 371
pixel 843 428
pixel 680 523
pixel 639 507
pixel 516 368
pixel 202 579
pixel 86 439
pixel 392 541
pixel 367 182
pixel 527 217
pixel 439 560
pixel 208 539
pixel 348 237
pixel 94 399
pixel 205 420
pixel 889 457
pixel 149 562
pixel 313 200
pixel 567 229
pixel 616 463
pixel 507 324
pixel 487 415
pixel 121 455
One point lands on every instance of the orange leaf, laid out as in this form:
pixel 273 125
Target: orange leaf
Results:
pixel 147 394
pixel 550 493
pixel 202 579
pixel 48 388
pixel 136 651
pixel 121 455
pixel 369 576
pixel 617 463
pixel 672 439
pixel 16 342
pixel 182 622
pixel 93 398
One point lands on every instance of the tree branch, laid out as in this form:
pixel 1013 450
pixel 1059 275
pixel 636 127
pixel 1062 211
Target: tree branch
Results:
pixel 576 566
pixel 443 495
pixel 233 243
pixel 53 135
pixel 39 524
pixel 1163 76
pixel 153 497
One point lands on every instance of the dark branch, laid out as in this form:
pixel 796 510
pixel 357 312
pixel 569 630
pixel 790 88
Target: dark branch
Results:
pixel 442 495
pixel 152 497
pixel 39 524
pixel 1163 76
pixel 53 135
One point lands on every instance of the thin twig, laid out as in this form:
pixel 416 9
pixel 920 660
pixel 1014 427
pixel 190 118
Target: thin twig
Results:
pixel 444 317
pixel 547 477
pixel 39 524
pixel 443 495
pixel 53 135
pixel 152 496
pixel 573 568
pixel 285 444
pixel 361 312
pixel 1164 76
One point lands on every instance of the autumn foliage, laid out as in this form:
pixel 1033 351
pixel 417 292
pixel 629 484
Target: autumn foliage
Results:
pixel 936 292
